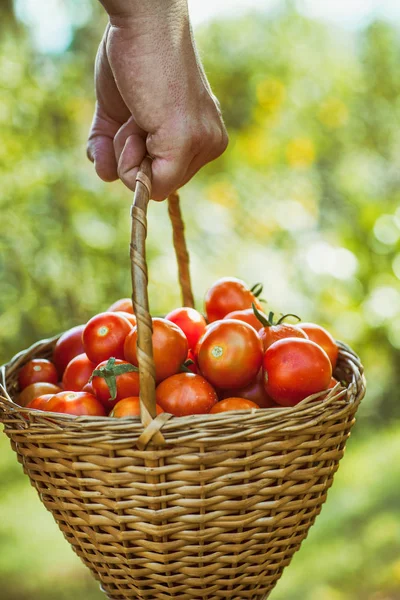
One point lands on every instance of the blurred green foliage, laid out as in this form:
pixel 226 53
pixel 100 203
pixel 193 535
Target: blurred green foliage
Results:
pixel 306 199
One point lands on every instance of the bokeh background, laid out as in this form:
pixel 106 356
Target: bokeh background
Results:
pixel 306 200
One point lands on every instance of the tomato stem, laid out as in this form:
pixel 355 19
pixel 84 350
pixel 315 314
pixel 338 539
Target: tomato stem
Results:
pixel 110 373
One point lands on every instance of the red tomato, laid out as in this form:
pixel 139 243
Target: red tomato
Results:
pixel 40 402
pixel 247 315
pixel 226 295
pixel 170 348
pixel 332 383
pixel 104 336
pixel 123 304
pixel 127 385
pixel 129 407
pixel 88 388
pixel 78 373
pixel 323 338
pixel 37 370
pixel 273 333
pixel 230 354
pixel 294 369
pixel 131 318
pixel 254 391
pixel 190 321
pixel 36 389
pixel 76 403
pixel 233 404
pixel 67 347
pixel 186 394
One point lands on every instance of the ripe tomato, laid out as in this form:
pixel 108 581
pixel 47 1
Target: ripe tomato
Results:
pixel 36 389
pixel 67 347
pixel 226 295
pixel 37 370
pixel 104 336
pixel 294 369
pixel 254 391
pixel 131 318
pixel 78 373
pixel 123 304
pixel 127 385
pixel 186 394
pixel 40 402
pixel 247 315
pixel 273 333
pixel 190 321
pixel 75 403
pixel 129 407
pixel 232 404
pixel 230 354
pixel 323 338
pixel 170 348
pixel 332 383
pixel 88 388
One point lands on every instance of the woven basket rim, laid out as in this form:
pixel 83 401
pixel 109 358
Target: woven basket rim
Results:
pixel 336 403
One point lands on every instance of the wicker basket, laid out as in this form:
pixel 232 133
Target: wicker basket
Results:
pixel 202 507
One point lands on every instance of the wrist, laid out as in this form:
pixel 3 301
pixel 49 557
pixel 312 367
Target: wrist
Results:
pixel 123 12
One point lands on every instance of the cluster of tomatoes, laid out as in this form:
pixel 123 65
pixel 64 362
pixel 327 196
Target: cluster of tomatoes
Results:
pixel 234 359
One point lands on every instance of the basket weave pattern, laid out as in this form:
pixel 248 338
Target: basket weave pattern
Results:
pixel 206 507
pixel 217 512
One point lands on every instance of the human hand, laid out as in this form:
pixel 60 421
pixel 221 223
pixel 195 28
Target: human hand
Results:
pixel 152 98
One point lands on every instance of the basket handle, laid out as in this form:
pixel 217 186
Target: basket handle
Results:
pixel 151 422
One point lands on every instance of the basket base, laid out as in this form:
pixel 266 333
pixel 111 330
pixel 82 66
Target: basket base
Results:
pixel 113 598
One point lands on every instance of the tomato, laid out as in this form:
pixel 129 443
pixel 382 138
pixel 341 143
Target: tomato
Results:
pixel 40 402
pixel 273 333
pixel 332 383
pixel 131 318
pixel 36 389
pixel 78 373
pixel 323 338
pixel 247 315
pixel 37 370
pixel 230 354
pixel 232 404
pixel 254 391
pixel 295 368
pixel 123 304
pixel 170 348
pixel 197 347
pixel 127 385
pixel 67 347
pixel 226 295
pixel 129 407
pixel 190 321
pixel 76 403
pixel 88 388
pixel 186 394
pixel 104 336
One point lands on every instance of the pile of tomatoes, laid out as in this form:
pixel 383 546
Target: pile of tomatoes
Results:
pixel 235 357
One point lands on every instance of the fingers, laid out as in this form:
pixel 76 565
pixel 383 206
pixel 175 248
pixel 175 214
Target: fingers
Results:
pixel 100 148
pixel 130 150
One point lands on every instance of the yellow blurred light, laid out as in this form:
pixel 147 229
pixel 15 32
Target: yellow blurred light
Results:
pixel 222 192
pixel 253 145
pixel 270 94
pixel 300 152
pixel 333 113
pixel 396 571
